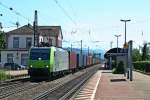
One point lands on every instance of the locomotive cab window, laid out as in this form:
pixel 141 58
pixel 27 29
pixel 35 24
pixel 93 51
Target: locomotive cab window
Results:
pixel 42 54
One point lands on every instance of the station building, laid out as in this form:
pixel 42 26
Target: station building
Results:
pixel 18 42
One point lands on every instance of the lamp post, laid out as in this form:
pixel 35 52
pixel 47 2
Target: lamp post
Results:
pixel 125 21
pixel 117 41
pixel 117 50
pixel 1 22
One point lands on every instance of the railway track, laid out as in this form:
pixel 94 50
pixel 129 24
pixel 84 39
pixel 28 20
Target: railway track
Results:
pixel 16 89
pixel 69 94
pixel 65 90
pixel 13 81
pixel 6 85
pixel 13 87
pixel 28 94
pixel 61 88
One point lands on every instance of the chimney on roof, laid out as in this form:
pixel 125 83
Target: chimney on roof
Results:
pixel 35 26
pixel 36 18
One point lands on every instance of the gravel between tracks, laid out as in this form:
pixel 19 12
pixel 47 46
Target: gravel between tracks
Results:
pixel 29 94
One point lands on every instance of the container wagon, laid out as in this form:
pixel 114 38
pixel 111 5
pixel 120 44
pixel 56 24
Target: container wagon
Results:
pixel 72 61
pixel 84 60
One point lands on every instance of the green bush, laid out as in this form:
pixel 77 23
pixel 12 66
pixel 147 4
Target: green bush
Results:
pixel 3 76
pixel 142 66
pixel 119 69
pixel 114 64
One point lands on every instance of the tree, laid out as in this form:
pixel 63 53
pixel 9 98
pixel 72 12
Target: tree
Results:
pixel 119 69
pixel 136 56
pixel 144 52
pixel 2 40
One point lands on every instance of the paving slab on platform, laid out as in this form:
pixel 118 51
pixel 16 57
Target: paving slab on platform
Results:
pixel 89 90
pixel 117 87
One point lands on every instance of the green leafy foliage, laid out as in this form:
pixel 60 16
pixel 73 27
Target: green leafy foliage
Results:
pixel 2 40
pixel 114 64
pixel 145 51
pixel 119 69
pixel 142 66
pixel 3 76
pixel 136 56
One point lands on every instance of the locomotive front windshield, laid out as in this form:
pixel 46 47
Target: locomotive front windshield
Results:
pixel 40 54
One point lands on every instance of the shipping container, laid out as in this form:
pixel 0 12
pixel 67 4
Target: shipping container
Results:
pixel 84 60
pixel 79 61
pixel 94 61
pixel 72 60
pixel 89 60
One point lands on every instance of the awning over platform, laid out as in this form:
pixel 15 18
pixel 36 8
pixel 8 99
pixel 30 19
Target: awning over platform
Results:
pixel 113 52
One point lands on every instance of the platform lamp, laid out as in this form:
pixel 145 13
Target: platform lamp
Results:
pixel 125 43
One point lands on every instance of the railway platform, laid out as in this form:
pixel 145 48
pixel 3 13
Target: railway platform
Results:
pixel 108 86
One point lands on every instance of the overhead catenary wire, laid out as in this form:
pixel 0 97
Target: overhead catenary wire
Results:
pixel 73 10
pixel 15 24
pixel 70 5
pixel 19 14
pixel 70 17
pixel 65 12
pixel 14 11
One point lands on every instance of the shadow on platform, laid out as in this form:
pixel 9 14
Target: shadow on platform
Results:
pixel 118 80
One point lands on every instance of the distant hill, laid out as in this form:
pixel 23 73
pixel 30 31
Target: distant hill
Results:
pixel 85 51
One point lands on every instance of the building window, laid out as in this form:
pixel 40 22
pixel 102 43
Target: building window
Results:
pixel 16 42
pixel 9 58
pixel 28 42
pixel 24 59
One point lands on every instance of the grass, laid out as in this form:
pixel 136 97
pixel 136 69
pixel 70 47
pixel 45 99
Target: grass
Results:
pixel 3 75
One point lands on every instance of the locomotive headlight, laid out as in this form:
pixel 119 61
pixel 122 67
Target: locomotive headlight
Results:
pixel 47 66
pixel 31 66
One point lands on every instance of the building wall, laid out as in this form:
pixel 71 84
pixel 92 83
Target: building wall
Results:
pixel 22 40
pixel 16 56
pixel 59 40
pixel 56 41
pixel 59 43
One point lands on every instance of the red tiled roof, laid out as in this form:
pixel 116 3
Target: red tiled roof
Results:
pixel 43 30
pixel 22 30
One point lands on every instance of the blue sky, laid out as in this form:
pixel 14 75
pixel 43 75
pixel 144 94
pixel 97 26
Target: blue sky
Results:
pixel 96 20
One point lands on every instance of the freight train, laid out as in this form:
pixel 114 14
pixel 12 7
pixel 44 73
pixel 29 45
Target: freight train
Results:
pixel 47 62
